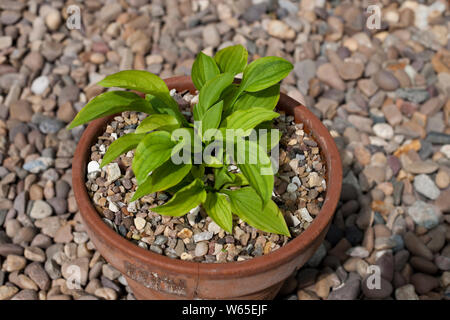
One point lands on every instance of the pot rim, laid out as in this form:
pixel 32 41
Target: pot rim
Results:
pixel 218 270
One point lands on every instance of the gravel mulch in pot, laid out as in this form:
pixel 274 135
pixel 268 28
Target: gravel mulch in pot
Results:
pixel 299 191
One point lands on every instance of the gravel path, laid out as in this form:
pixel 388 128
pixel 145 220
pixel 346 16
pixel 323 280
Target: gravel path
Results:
pixel 384 95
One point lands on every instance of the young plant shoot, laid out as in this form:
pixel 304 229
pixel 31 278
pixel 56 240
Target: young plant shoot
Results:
pixel 236 176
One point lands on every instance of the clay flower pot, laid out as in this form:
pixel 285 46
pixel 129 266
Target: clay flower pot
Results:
pixel 154 276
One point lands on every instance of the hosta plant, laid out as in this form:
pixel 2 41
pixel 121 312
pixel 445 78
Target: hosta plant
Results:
pixel 216 161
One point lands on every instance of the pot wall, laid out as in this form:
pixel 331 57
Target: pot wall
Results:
pixel 153 276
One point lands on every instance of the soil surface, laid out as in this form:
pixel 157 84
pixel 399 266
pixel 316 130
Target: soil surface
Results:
pixel 299 192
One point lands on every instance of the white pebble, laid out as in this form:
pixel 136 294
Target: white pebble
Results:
pixel 296 180
pixel 132 207
pixel 295 221
pixel 112 206
pixel 305 215
pixel 194 100
pixel 112 172
pixel 291 188
pixel 201 249
pixel 383 130
pixel 140 223
pixel 445 149
pixel 203 236
pixel 93 166
pixel 214 228
pixel 192 215
pixel 39 85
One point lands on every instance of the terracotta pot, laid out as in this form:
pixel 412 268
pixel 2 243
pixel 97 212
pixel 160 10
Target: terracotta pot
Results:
pixel 154 276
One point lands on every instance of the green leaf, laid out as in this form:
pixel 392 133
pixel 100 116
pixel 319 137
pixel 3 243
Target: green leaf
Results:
pixel 222 176
pixel 248 206
pixel 203 69
pixel 169 106
pixel 211 92
pixel 211 118
pixel 139 80
pixel 196 113
pixel 239 180
pixel 266 98
pixel 248 119
pixel 198 171
pixel 151 152
pixel 158 121
pixel 187 180
pixel 232 59
pixel 229 96
pixel 145 82
pixel 120 146
pixel 164 177
pixel 264 72
pixel 218 208
pixel 257 168
pixel 184 200
pixel 109 103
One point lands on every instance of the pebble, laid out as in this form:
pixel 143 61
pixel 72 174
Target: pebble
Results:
pixel 140 223
pixel 7 292
pixel 112 172
pixel 14 263
pixel 423 265
pixel 383 130
pixel 34 254
pixel 416 246
pixel 53 20
pixel 93 166
pixel 203 236
pixel 386 80
pixel 442 179
pixel 280 29
pixel 26 294
pixel 424 283
pixel 211 36
pixel 5 42
pixel 406 292
pixel 424 214
pixel 39 85
pixel 348 291
pixel 426 186
pixel 40 210
pixel 21 110
pixel 328 74
pixel 201 249
pixel 185 233
pixel 38 165
pixel 291 188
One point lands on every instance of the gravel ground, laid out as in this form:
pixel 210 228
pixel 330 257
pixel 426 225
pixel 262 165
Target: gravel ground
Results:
pixel 384 95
